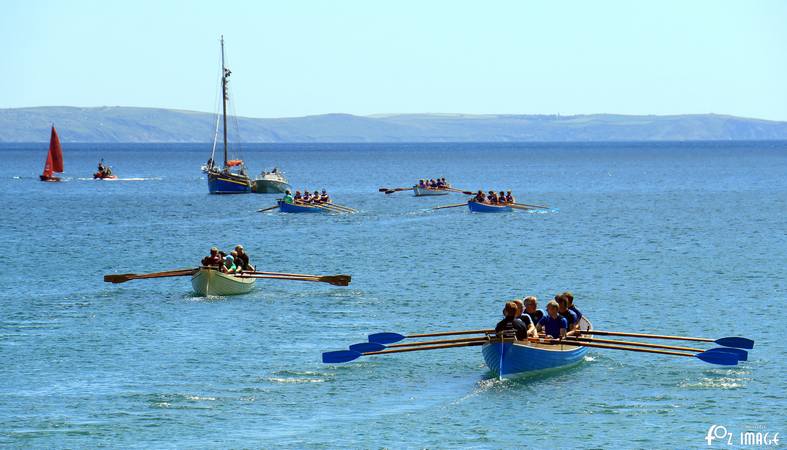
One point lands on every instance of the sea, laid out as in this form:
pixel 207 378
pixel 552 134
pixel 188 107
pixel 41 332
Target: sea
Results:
pixel 677 238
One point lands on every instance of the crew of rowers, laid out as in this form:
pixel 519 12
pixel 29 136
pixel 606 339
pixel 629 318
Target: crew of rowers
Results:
pixel 236 261
pixel 524 320
pixel 434 183
pixel 493 198
pixel 307 198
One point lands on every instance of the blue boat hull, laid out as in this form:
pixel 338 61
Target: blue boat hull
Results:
pixel 521 358
pixel 292 208
pixel 219 183
pixel 485 208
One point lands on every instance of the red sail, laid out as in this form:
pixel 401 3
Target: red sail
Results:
pixel 48 166
pixel 55 158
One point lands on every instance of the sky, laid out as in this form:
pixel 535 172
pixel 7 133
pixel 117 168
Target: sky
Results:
pixel 297 57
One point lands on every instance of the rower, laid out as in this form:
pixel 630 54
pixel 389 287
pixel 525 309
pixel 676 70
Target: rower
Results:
pixel 553 325
pixel 566 313
pixel 439 183
pixel 306 197
pixel 570 297
pixel 316 197
pixel 492 197
pixel 479 197
pixel 229 265
pixel 445 183
pixel 422 184
pixel 511 324
pixel 510 198
pixel 297 197
pixel 287 197
pixel 531 309
pixel 325 198
pixel 531 327
pixel 242 258
pixel 502 198
pixel 212 260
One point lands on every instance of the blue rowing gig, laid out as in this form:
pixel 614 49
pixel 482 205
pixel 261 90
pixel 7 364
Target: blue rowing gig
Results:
pixel 530 358
pixel 293 208
pixel 487 208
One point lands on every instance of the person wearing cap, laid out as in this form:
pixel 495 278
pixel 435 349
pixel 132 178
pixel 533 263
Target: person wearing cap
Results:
pixel 212 260
pixel 287 197
pixel 316 197
pixel 511 324
pixel 553 325
pixel 229 264
pixel 242 258
pixel 325 198
pixel 531 309
pixel 531 327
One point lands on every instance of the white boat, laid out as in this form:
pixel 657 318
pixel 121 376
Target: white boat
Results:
pixel 271 182
pixel 207 281
pixel 423 192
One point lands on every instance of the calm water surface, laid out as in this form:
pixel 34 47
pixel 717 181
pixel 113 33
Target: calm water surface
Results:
pixel 668 238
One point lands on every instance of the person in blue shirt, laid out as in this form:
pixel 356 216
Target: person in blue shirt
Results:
pixel 570 297
pixel 531 309
pixel 553 325
pixel 520 312
pixel 511 324
pixel 566 313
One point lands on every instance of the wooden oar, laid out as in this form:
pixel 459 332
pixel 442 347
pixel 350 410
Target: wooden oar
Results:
pixel 336 280
pixel 515 206
pixel 334 207
pixel 374 346
pixel 741 354
pixel 268 209
pixel 450 206
pixel 725 359
pixel 258 272
pixel 733 341
pixel 341 356
pixel 390 338
pixel 531 206
pixel 391 191
pixel 342 207
pixel 123 277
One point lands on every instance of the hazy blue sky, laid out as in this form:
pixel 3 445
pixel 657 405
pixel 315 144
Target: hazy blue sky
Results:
pixel 362 57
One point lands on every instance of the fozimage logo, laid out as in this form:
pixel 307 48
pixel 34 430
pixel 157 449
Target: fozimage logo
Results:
pixel 724 437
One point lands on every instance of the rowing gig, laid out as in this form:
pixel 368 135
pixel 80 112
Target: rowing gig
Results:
pixel 293 208
pixel 530 358
pixel 208 281
pixel 424 192
pixel 487 208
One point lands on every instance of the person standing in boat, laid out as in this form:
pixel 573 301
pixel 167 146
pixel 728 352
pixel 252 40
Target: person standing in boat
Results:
pixel 242 258
pixel 511 324
pixel 212 260
pixel 520 309
pixel 531 309
pixel 552 325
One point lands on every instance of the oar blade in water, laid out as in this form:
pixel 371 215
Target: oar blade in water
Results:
pixel 735 341
pixel 741 354
pixel 339 356
pixel 364 347
pixel 119 278
pixel 386 338
pixel 723 359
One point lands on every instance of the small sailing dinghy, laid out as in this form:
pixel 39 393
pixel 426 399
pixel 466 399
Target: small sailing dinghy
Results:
pixel 104 172
pixel 232 177
pixel 54 159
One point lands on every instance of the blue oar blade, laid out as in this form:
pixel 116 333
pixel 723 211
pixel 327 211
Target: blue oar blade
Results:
pixel 339 356
pixel 737 342
pixel 364 347
pixel 739 353
pixel 723 359
pixel 386 338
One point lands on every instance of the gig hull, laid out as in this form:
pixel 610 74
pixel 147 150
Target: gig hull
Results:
pixel 293 208
pixel 422 192
pixel 270 187
pixel 485 208
pixel 207 282
pixel 49 179
pixel 221 183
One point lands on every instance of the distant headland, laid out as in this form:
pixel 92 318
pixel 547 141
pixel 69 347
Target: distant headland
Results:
pixel 141 125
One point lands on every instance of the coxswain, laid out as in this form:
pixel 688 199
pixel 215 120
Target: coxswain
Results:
pixel 531 309
pixel 229 265
pixel 510 198
pixel 242 258
pixel 553 325
pixel 422 184
pixel 287 197
pixel 212 260
pixel 511 324
pixel 325 198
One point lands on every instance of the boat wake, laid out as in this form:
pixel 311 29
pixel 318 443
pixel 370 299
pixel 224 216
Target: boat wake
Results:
pixel 122 179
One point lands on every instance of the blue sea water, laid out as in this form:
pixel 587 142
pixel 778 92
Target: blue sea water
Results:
pixel 673 238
